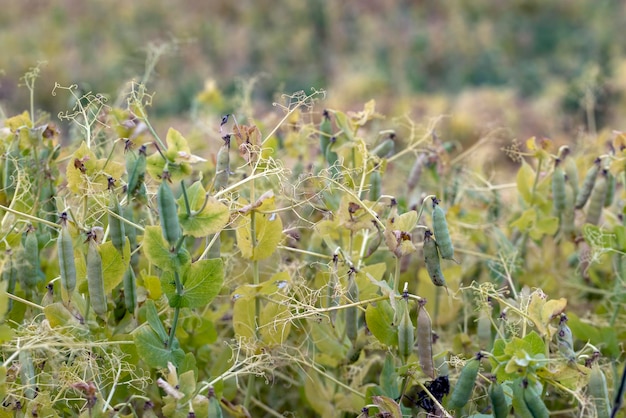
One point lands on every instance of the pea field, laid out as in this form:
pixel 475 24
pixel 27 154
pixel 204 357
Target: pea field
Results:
pixel 277 252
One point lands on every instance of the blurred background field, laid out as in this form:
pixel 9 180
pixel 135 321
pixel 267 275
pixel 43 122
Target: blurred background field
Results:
pixel 533 67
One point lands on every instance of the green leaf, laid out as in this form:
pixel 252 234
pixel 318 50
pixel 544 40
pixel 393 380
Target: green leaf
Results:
pixel 389 378
pixel 157 250
pixel 152 317
pixel 114 264
pixel 525 180
pixel 526 220
pixel 388 406
pixel 545 226
pixel 213 217
pixel 153 351
pixel 379 319
pixel 332 348
pixel 176 143
pixel 534 344
pixel 201 282
pixel 344 123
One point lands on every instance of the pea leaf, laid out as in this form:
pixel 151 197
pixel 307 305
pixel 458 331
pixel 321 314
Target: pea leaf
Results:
pixel 525 180
pixel 113 264
pixel 379 319
pixel 18 121
pixel 158 253
pixel 201 282
pixel 153 351
pixel 178 158
pixel 88 173
pixel 268 231
pixel 389 378
pixel 210 220
pixel 244 322
pixel 152 317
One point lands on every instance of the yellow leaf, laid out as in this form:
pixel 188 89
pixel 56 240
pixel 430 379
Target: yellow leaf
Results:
pixel 268 231
pixel 153 286
pixel 19 121
pixel 525 180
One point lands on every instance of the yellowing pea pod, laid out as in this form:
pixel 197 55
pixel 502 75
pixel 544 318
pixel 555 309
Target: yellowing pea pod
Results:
pixel 425 340
pixel 442 234
pixel 95 278
pixel 596 201
pixel 168 214
pixel 431 259
pixel 462 392
pixel 588 184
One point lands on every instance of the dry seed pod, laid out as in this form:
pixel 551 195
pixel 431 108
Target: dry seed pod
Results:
pixel 425 340
pixel 416 171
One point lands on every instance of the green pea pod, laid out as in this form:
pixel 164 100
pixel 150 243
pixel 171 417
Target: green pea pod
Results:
pixel 440 227
pixel 215 409
pixel 596 201
pixel 116 225
pixel 431 259
pixel 599 392
pixel 27 374
pixel 588 184
pixel 168 214
pixel 375 184
pixel 10 174
pixel 31 256
pixel 465 385
pixel 568 217
pixel 352 312
pixel 130 290
pixel 535 404
pixel 95 279
pixel 519 403
pixel 571 174
pixel 385 148
pixel 499 407
pixel 565 339
pixel 325 132
pixel 67 266
pixel 611 184
pixel 406 330
pixel 9 275
pixel 136 168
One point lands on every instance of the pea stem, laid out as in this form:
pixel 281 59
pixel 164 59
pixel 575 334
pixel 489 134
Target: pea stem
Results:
pixel 179 292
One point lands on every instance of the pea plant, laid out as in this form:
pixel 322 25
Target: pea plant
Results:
pixel 311 262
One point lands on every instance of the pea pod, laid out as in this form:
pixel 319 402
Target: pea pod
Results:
pixel 136 168
pixel 95 279
pixel 31 257
pixel 440 227
pixel 168 214
pixel 325 132
pixel 425 340
pixel 406 330
pixel 588 184
pixel 67 265
pixel 596 201
pixel 599 392
pixel 116 225
pixel 215 409
pixel 499 406
pixel 465 385
pixel 375 184
pixel 130 290
pixel 352 313
pixel 558 188
pixel 535 404
pixel 27 374
pixel 431 259
pixel 9 275
pixel 385 148
pixel 611 184
pixel 565 339
pixel 519 403
pixel 416 171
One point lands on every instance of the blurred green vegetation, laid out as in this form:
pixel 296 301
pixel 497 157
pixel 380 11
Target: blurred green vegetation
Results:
pixel 568 52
